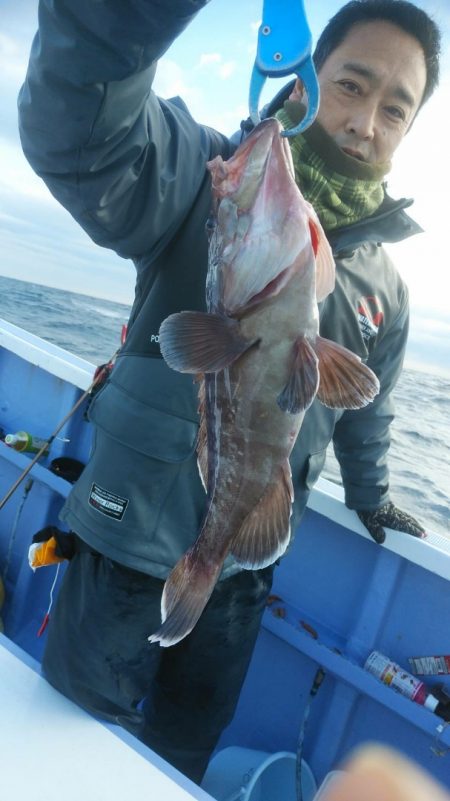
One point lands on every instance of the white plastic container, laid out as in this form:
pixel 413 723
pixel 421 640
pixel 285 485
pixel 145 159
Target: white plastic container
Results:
pixel 242 774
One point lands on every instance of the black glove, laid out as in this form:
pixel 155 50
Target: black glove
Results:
pixel 65 541
pixel 388 515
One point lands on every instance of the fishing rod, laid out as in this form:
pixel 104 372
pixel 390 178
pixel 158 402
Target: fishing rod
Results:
pixel 99 375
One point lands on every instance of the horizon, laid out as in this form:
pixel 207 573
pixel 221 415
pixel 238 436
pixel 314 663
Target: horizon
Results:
pixel 430 335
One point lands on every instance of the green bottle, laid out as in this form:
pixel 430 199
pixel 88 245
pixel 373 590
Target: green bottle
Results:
pixel 23 441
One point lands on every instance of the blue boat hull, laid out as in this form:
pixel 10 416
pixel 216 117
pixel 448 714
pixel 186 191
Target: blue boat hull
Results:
pixel 338 595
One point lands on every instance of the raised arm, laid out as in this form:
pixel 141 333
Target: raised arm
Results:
pixel 126 164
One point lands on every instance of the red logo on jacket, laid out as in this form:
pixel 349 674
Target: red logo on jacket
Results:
pixel 370 316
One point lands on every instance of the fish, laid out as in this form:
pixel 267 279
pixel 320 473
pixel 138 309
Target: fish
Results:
pixel 260 362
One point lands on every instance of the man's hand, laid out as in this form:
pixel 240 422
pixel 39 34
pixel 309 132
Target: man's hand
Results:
pixel 379 774
pixel 388 515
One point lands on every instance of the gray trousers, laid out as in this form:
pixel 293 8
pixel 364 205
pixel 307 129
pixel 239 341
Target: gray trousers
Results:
pixel 176 700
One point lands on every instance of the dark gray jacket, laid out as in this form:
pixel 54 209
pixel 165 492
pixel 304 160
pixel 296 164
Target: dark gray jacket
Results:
pixel 130 168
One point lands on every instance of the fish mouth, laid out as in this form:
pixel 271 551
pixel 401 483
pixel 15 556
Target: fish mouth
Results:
pixel 228 177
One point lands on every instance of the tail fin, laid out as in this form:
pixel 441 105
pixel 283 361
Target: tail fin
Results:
pixel 185 595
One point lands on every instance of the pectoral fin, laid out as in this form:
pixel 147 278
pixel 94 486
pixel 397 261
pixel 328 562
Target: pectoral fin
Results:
pixel 345 381
pixel 265 533
pixel 199 342
pixel 303 382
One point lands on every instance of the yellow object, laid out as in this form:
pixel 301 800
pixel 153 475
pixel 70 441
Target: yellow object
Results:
pixel 41 554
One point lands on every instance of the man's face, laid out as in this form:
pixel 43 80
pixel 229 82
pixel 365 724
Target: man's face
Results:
pixel 371 87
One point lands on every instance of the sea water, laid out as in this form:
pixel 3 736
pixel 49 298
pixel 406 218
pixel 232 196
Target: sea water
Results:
pixel 419 455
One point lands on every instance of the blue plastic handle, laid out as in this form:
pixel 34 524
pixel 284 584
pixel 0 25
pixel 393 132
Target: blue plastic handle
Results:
pixel 284 48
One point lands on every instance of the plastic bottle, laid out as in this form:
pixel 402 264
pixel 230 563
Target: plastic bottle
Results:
pixel 23 441
pixel 395 676
pixel 443 707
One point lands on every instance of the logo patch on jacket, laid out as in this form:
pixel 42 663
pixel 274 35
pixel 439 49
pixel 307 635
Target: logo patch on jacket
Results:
pixel 107 502
pixel 370 316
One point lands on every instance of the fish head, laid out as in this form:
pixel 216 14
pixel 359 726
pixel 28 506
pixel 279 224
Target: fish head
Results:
pixel 263 223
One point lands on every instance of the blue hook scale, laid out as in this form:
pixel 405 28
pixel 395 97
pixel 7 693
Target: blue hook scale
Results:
pixel 284 48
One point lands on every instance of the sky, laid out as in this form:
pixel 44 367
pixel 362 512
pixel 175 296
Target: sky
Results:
pixel 209 66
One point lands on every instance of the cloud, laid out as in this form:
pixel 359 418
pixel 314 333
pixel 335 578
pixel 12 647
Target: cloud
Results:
pixel 42 243
pixel 227 120
pixel 421 155
pixel 215 63
pixel 63 256
pixel 10 219
pixel 170 81
pixel 17 177
pixel 227 69
pixel 209 58
pixel 429 342
pixel 422 171
pixel 13 65
pixel 13 59
pixel 8 47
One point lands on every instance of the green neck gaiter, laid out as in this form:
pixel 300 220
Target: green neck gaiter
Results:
pixel 342 189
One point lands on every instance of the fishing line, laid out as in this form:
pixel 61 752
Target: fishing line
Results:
pixel 318 679
pixel 47 614
pixel 12 536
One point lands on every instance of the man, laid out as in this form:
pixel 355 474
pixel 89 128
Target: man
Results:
pixel 131 169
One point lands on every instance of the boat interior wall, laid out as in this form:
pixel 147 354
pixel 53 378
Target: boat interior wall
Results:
pixel 362 598
pixel 34 398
